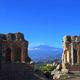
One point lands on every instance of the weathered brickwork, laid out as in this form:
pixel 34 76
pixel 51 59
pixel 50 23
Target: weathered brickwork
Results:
pixel 13 48
pixel 71 51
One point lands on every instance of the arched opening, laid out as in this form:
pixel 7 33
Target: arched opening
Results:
pixel 0 57
pixel 75 56
pixel 8 55
pixel 18 54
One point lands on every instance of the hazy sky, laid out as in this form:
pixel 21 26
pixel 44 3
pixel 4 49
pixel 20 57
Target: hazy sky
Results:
pixel 42 21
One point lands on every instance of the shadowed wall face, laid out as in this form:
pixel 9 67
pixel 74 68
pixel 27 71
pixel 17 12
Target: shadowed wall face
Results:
pixel 8 55
pixel 18 54
pixel 75 55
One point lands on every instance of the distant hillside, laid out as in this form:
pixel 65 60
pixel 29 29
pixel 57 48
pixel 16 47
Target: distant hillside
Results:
pixel 44 53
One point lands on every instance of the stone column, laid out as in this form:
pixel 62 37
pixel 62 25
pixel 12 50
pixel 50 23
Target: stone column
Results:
pixel 0 53
pixel 22 56
pixel 12 52
pixel 72 57
pixel 12 55
pixel 64 60
pixel 68 56
pixel 78 55
pixel 65 57
pixel 3 54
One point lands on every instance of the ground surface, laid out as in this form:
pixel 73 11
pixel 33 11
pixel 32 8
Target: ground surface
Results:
pixel 20 72
pixel 75 75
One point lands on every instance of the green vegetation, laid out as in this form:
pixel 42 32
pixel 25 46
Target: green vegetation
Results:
pixel 48 68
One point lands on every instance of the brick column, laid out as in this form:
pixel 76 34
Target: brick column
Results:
pixel 64 60
pixel 72 58
pixel 78 55
pixel 12 55
pixel 22 56
pixel 65 57
pixel 68 56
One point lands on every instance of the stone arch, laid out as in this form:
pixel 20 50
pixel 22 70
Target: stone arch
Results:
pixel 75 56
pixel 8 55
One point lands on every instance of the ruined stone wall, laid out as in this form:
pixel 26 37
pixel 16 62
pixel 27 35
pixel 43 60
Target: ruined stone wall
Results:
pixel 13 48
pixel 71 50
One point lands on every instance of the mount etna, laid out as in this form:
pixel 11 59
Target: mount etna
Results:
pixel 43 53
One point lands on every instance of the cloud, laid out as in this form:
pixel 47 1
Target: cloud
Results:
pixel 36 44
pixel 31 49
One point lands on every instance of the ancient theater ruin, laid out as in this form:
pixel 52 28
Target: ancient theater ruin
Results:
pixel 71 53
pixel 13 48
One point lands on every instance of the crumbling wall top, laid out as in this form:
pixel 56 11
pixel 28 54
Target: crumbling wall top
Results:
pixel 71 38
pixel 12 36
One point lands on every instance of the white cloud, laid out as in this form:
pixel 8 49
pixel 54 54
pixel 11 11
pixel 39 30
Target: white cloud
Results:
pixel 36 44
pixel 37 48
pixel 31 49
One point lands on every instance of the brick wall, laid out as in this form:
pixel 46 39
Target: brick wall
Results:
pixel 74 68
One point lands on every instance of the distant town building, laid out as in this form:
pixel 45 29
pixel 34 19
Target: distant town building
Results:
pixel 71 52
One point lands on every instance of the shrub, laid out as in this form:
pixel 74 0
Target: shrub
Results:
pixel 47 68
